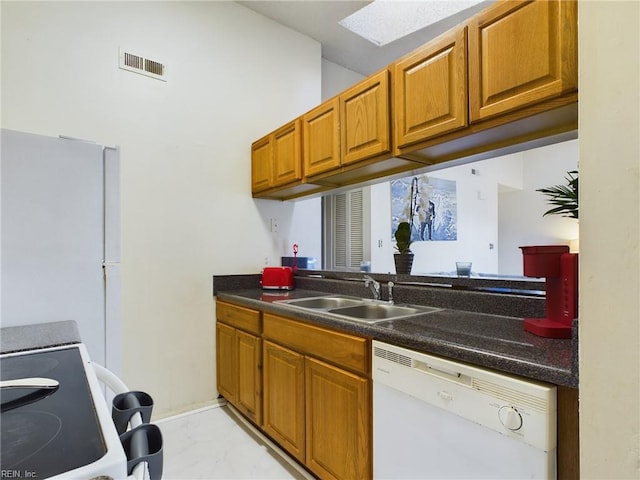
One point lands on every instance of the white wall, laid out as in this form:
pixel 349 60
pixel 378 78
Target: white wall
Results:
pixel 521 211
pixel 497 206
pixel 336 79
pixel 187 211
pixel 609 83
pixel 300 221
pixel 303 218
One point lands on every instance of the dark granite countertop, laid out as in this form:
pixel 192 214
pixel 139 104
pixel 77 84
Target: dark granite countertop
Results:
pixel 39 335
pixel 486 337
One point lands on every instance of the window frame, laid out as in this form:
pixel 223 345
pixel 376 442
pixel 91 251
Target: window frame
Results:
pixel 357 236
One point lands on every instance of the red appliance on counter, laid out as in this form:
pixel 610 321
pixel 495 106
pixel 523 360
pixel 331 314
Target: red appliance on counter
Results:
pixel 560 269
pixel 277 278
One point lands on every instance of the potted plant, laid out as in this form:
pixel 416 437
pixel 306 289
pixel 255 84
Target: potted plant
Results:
pixel 564 197
pixel 404 257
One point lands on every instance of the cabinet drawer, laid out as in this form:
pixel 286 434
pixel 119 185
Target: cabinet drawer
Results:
pixel 239 317
pixel 341 349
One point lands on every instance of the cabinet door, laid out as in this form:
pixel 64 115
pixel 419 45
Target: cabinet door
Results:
pixel 287 158
pixel 249 370
pixel 261 165
pixel 226 361
pixel 321 138
pixel 365 119
pixel 284 398
pixel 338 422
pixel 521 53
pixel 430 89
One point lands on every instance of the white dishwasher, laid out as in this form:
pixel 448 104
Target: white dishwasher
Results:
pixel 435 418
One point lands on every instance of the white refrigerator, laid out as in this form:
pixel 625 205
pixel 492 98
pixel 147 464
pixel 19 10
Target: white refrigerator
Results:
pixel 60 237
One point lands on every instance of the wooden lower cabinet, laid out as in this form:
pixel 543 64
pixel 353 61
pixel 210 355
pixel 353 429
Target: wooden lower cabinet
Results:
pixel 249 382
pixel 317 397
pixel 284 406
pixel 309 388
pixel 239 364
pixel 226 361
pixel 568 453
pixel 239 358
pixel 338 420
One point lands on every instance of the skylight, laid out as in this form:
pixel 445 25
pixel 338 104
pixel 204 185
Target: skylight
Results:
pixel 383 21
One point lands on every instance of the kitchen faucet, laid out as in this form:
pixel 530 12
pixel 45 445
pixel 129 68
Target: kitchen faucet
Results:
pixel 373 285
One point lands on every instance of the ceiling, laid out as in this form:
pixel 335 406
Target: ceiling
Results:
pixel 319 20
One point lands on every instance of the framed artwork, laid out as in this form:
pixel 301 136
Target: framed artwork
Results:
pixel 429 204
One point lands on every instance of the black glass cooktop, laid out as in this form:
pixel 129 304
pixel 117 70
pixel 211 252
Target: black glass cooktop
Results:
pixel 48 432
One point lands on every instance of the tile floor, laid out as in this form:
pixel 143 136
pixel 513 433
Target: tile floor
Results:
pixel 213 444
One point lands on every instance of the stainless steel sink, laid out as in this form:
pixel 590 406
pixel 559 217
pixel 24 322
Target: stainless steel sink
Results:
pixel 358 309
pixel 372 312
pixel 324 303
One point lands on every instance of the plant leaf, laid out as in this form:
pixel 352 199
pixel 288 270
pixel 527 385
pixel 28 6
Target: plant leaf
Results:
pixel 564 197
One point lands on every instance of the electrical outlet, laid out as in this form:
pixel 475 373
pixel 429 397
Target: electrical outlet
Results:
pixel 273 225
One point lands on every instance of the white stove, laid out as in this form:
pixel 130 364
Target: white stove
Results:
pixel 65 431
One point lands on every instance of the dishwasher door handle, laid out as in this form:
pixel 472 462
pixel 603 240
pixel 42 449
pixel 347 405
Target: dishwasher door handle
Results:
pixel 440 372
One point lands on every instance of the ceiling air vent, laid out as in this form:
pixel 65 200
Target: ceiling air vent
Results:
pixel 144 66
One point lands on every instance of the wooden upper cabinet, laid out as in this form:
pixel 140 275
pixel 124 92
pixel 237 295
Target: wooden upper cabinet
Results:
pixel 506 77
pixel 261 164
pixel 321 135
pixel 276 159
pixel 287 154
pixel 521 53
pixel 365 119
pixel 430 89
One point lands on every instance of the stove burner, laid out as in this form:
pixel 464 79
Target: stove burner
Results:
pixel 25 434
